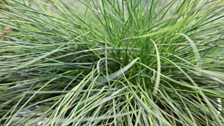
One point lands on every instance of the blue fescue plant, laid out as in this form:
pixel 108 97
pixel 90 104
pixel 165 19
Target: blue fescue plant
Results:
pixel 112 63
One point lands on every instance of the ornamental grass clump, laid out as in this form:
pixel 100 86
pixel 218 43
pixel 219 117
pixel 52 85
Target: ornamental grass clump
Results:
pixel 112 62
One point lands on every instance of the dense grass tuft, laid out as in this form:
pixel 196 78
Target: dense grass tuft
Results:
pixel 112 62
